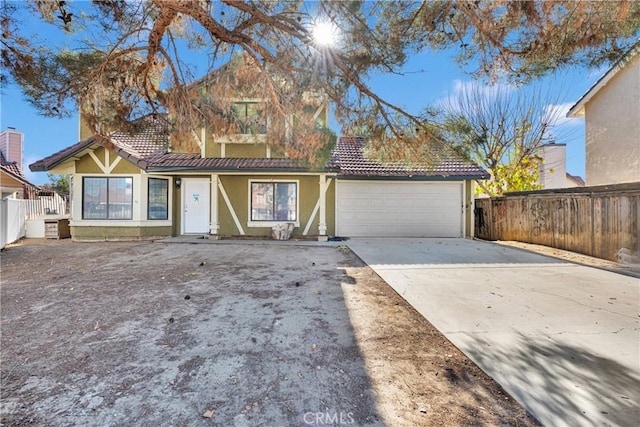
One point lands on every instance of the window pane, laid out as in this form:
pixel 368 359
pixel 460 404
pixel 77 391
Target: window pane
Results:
pixel 261 201
pixel 120 198
pixel 286 201
pixel 274 201
pixel 255 119
pixel 158 206
pixel 94 198
pixel 249 118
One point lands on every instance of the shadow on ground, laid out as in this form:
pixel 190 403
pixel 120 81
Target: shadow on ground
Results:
pixel 615 388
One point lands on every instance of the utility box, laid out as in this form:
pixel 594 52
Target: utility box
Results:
pixel 56 228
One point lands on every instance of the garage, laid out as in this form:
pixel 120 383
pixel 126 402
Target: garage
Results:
pixel 384 208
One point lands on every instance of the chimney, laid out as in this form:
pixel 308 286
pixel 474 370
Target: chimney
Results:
pixel 11 142
pixel 553 170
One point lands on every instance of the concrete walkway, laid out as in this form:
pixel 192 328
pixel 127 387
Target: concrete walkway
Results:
pixel 561 338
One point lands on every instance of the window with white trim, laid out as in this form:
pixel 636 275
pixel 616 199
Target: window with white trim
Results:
pixel 107 198
pixel 158 198
pixel 274 201
pixel 250 118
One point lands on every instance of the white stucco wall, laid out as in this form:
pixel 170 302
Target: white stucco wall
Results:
pixel 613 129
pixel 553 169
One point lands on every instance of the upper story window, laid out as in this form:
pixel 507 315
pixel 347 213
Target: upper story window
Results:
pixel 250 118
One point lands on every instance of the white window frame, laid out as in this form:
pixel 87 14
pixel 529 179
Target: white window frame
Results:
pixel 270 224
pixel 168 182
pixel 245 138
pixel 107 178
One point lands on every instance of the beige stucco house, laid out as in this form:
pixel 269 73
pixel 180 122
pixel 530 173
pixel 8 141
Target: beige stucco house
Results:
pixel 552 169
pixel 611 108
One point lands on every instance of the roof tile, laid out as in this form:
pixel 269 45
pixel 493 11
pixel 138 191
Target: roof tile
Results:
pixel 147 149
pixel 350 158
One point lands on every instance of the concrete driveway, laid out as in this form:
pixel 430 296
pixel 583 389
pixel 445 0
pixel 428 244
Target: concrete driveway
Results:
pixel 561 338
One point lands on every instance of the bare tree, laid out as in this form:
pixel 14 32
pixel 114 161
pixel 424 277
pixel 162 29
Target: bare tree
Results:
pixel 502 128
pixel 124 59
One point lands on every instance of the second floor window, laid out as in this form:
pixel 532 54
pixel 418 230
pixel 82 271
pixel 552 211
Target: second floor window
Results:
pixel 249 118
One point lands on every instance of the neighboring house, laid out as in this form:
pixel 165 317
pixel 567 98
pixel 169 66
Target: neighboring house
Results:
pixel 611 108
pixel 13 184
pixel 139 186
pixel 553 168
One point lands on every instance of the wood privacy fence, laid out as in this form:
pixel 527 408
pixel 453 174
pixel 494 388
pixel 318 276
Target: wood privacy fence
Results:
pixel 599 221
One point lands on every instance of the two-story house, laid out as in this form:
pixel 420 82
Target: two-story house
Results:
pixel 611 108
pixel 141 186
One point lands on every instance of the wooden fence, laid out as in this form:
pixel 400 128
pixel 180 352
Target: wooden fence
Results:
pixel 599 221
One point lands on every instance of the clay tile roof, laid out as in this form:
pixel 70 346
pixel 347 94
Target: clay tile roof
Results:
pixel 152 138
pixel 11 167
pixel 350 159
pixel 147 149
pixel 13 170
pixel 181 161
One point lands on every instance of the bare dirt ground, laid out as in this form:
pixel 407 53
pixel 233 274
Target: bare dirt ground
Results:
pixel 152 334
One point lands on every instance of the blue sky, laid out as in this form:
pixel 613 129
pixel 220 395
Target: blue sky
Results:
pixel 430 77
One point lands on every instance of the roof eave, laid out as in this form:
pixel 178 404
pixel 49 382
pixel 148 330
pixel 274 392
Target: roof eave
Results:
pixel 18 178
pixel 577 110
pixel 182 169
pixel 43 165
pixel 415 177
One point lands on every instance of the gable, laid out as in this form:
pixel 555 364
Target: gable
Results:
pixel 8 181
pixel 630 61
pixel 103 161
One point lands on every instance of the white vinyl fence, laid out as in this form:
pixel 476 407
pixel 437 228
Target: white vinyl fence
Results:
pixel 46 205
pixel 13 214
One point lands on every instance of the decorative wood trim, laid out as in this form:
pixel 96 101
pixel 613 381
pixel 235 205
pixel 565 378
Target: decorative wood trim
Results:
pixel 113 165
pixel 215 225
pixel 203 141
pixel 317 113
pixel 102 167
pixel 321 198
pixel 230 207
pixel 322 222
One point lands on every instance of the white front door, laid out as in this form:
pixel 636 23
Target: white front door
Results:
pixel 195 205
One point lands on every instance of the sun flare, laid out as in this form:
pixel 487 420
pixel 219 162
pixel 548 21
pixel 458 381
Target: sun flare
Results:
pixel 324 33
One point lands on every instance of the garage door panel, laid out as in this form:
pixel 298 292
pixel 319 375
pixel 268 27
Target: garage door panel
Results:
pixel 403 209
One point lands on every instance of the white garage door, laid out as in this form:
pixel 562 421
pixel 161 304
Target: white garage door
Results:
pixel 398 209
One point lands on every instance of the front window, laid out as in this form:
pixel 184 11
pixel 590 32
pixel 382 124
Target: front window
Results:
pixel 249 118
pixel 158 206
pixel 107 198
pixel 274 201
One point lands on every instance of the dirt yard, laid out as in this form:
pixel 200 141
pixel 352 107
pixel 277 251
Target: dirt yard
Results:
pixel 154 334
